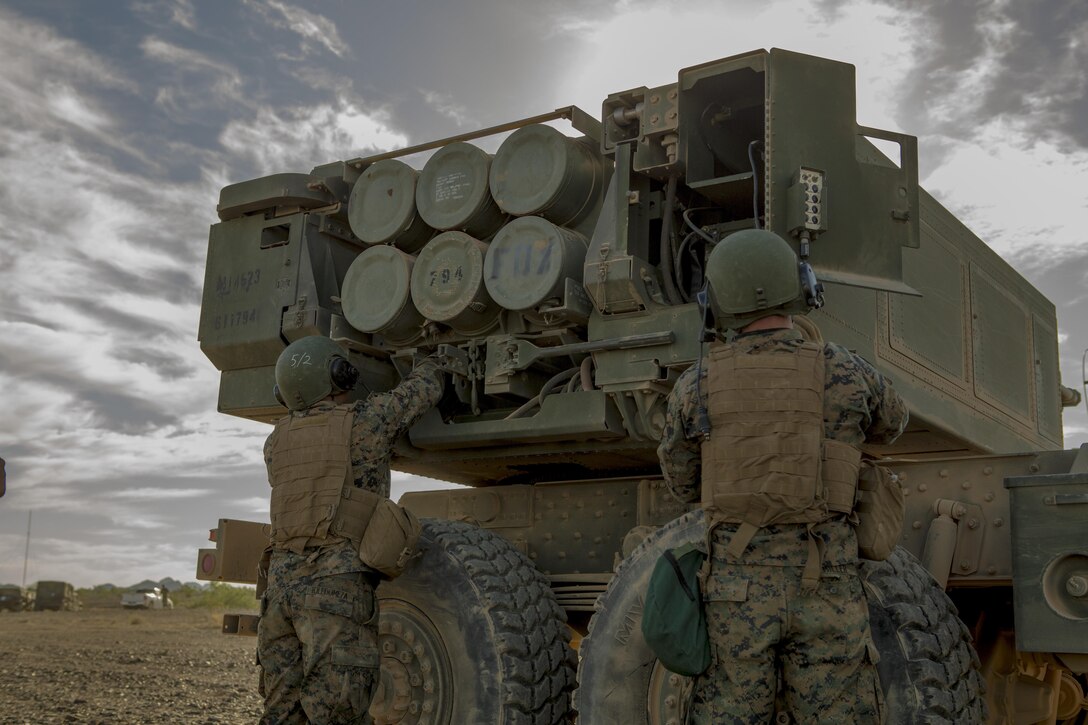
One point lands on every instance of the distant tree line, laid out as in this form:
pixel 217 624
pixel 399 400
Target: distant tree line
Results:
pixel 216 595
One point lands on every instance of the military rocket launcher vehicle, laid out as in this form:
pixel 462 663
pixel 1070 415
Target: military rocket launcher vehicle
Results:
pixel 559 273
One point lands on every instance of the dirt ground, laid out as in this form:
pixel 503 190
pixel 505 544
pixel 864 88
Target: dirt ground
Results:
pixel 101 666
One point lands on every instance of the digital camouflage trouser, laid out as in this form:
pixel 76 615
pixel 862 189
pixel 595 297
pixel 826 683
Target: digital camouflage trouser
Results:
pixel 762 628
pixel 317 647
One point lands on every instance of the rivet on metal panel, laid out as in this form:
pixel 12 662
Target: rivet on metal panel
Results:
pixel 547 537
pixel 943 473
pixel 566 515
pixel 1077 586
pixel 991 570
pixel 598 514
pixel 965 565
pixel 972 523
pixel 965 485
pixel 922 487
pixel 989 496
pixel 1034 468
pixel 987 470
pixel 593 555
pixel 999 522
pixel 916 525
pixel 597 539
pixel 577 535
pixel 562 555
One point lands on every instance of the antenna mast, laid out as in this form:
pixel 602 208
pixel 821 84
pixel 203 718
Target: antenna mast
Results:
pixel 26 554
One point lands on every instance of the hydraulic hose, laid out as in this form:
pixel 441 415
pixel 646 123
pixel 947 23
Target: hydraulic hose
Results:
pixel 672 294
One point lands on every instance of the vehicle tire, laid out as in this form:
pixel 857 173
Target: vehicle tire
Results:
pixel 928 668
pixel 472 634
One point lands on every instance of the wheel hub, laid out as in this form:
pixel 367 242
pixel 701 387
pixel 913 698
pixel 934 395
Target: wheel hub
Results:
pixel 667 697
pixel 415 676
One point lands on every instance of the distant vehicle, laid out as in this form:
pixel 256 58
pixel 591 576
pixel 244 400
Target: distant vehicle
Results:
pixel 145 598
pixel 56 596
pixel 14 599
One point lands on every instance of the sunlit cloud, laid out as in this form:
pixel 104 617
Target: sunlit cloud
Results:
pixel 444 104
pixel 158 494
pixel 314 28
pixel 296 139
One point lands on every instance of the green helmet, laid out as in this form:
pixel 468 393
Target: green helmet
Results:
pixel 755 273
pixel 310 369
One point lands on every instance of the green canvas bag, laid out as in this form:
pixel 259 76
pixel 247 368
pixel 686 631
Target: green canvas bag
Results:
pixel 673 619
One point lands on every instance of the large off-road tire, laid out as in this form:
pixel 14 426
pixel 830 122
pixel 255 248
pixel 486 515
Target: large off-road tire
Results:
pixel 472 634
pixel 928 669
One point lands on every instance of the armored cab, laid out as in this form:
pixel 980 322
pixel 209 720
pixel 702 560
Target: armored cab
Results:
pixel 561 274
pixel 13 599
pixel 56 596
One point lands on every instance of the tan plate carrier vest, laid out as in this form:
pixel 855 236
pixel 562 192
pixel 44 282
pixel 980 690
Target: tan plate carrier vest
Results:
pixel 313 495
pixel 767 460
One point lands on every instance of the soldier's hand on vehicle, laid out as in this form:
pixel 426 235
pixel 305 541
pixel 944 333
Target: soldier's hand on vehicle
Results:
pixel 451 359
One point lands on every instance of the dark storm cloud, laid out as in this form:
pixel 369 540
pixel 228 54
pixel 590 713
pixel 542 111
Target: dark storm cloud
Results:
pixel 127 324
pixel 980 59
pixel 123 412
pixel 109 405
pixel 165 366
pixel 173 285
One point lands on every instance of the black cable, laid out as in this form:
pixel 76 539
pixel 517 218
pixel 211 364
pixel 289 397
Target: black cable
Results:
pixel 755 183
pixel 538 399
pixel 672 294
pixel 696 229
pixel 703 416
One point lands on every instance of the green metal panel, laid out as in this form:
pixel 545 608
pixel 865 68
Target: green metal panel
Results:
pixel 1050 561
pixel 1001 338
pixel 581 416
pixel 248 393
pixel 1048 401
pixel 931 328
pixel 252 276
pixel 642 364
pixel 870 205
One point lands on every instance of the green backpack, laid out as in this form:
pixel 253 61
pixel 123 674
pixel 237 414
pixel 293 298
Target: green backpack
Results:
pixel 673 620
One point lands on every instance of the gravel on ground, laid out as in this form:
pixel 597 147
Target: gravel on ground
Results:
pixel 100 666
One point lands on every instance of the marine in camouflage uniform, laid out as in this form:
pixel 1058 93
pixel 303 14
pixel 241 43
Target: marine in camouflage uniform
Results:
pixel 318 636
pixel 770 634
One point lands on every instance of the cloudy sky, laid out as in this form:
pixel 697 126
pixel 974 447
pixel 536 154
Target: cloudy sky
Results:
pixel 121 120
